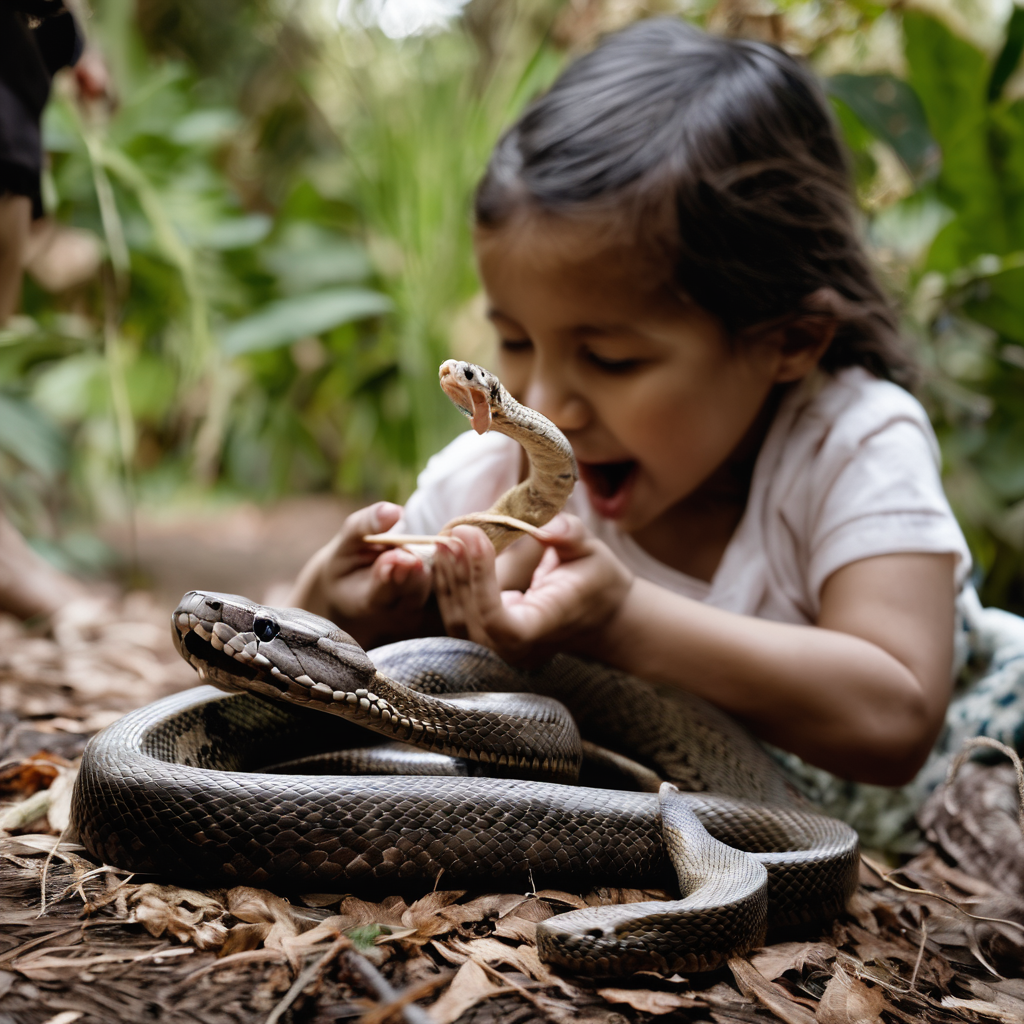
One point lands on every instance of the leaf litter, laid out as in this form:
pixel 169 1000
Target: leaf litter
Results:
pixel 938 938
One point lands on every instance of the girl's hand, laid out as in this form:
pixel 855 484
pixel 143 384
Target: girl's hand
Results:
pixel 375 594
pixel 576 589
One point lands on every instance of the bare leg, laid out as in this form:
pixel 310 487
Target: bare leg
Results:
pixel 29 585
pixel 15 222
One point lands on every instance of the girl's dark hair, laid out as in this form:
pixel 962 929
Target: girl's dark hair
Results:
pixel 723 157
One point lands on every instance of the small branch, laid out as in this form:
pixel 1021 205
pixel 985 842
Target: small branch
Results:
pixel 920 950
pixel 413 994
pixel 313 971
pixel 965 752
pixel 887 877
pixel 380 986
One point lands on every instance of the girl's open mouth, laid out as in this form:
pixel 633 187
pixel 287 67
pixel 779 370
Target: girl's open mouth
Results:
pixel 608 485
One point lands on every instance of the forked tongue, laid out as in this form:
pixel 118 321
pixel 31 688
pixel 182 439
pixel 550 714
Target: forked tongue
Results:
pixel 481 418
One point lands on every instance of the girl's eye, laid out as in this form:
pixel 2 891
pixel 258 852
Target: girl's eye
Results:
pixel 612 365
pixel 516 346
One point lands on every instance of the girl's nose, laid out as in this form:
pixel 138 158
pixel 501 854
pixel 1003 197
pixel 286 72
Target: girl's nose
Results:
pixel 551 397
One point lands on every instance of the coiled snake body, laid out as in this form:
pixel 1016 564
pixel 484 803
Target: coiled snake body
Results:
pixel 230 788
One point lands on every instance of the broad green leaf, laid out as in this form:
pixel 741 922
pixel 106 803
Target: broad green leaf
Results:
pixel 73 388
pixel 909 227
pixel 206 127
pixel 999 303
pixel 309 257
pixel 891 111
pixel 290 319
pixel 1009 57
pixel 951 78
pixel 1002 462
pixel 30 437
pixel 1008 143
pixel 230 233
pixel 151 388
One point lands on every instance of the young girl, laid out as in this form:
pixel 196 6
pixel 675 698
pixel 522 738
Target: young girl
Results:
pixel 668 244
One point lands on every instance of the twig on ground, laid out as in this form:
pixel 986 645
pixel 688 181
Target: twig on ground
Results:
pixel 413 994
pixel 887 877
pixel 920 951
pixel 520 989
pixel 965 752
pixel 381 987
pixel 311 972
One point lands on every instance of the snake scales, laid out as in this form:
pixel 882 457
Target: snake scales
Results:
pixel 230 788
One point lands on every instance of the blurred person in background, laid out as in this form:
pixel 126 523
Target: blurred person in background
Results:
pixel 37 39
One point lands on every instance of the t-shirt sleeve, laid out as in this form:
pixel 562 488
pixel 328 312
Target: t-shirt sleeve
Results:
pixel 879 492
pixel 466 476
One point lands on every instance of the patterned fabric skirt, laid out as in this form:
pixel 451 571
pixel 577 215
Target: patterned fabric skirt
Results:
pixel 988 700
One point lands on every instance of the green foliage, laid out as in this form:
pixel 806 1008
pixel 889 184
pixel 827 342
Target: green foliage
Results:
pixel 285 210
pixel 890 110
pixel 956 245
pixel 952 77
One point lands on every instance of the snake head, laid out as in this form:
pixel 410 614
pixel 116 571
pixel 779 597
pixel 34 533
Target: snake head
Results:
pixel 472 389
pixel 239 645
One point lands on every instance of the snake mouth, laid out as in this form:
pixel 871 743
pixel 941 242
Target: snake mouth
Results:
pixel 203 653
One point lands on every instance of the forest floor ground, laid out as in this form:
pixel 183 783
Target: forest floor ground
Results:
pixel 936 938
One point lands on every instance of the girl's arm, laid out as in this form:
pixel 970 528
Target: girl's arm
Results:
pixel 862 693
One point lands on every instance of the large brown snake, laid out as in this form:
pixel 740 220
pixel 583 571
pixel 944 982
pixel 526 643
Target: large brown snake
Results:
pixel 229 789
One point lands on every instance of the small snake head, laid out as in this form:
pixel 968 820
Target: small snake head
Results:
pixel 472 389
pixel 288 653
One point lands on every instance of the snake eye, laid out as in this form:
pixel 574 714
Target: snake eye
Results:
pixel 213 605
pixel 469 373
pixel 265 629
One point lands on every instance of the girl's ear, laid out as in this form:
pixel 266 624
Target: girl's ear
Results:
pixel 803 338
pixel 803 343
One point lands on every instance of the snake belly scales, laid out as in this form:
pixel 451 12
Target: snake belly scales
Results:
pixel 231 788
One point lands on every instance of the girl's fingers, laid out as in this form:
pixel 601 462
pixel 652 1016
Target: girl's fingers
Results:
pixel 448 589
pixel 476 575
pixel 567 535
pixel 548 563
pixel 487 613
pixel 376 518
pixel 398 579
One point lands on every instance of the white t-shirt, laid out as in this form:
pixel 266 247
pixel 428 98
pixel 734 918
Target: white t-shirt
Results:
pixel 849 469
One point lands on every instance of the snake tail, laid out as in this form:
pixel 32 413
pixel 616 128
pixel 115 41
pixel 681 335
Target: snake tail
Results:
pixel 723 911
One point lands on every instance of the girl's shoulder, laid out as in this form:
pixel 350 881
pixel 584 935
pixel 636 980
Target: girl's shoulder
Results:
pixel 850 470
pixel 853 440
pixel 852 404
pixel 830 419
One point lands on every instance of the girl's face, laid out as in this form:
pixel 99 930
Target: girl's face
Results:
pixel 643 384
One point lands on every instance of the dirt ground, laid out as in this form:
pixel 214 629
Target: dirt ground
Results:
pixel 939 938
pixel 241 549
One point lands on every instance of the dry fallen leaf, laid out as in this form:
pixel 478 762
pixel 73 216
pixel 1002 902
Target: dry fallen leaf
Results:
pixel 849 1000
pixel 774 961
pixel 516 928
pixel 187 915
pixel 975 821
pixel 982 1009
pixel 58 814
pixel 533 910
pixel 755 985
pixel 470 985
pixel 24 777
pixel 648 1000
